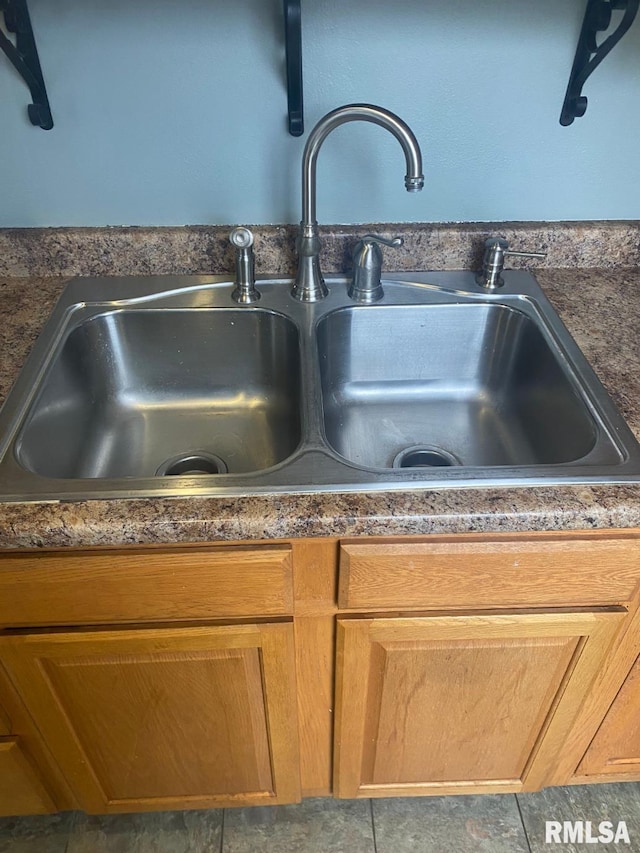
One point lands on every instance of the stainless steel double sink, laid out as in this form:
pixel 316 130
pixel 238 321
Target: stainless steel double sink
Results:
pixel 150 386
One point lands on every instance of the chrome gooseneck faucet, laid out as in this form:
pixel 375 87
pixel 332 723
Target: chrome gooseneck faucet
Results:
pixel 309 285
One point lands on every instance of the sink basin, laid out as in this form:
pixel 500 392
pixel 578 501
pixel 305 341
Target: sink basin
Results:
pixel 443 385
pixel 164 386
pixel 132 393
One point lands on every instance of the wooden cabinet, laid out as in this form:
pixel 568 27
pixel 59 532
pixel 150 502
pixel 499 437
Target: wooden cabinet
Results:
pixel 21 788
pixel 608 730
pixel 197 676
pixel 462 703
pixel 448 681
pixel 165 718
pixel 176 685
pixel 615 749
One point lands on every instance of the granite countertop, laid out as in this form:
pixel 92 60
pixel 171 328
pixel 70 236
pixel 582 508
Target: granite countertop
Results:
pixel 601 308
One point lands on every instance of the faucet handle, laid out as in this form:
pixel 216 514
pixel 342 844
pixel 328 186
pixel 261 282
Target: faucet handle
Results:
pixel 367 267
pixel 384 241
pixel 495 250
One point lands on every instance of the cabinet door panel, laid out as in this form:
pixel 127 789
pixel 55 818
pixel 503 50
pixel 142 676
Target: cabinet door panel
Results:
pixel 21 791
pixel 615 750
pixel 165 718
pixel 485 733
pixel 460 703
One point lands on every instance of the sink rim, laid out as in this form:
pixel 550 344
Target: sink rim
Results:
pixel 313 467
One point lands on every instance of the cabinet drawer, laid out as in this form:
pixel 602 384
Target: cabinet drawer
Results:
pixel 144 585
pixel 475 571
pixel 21 791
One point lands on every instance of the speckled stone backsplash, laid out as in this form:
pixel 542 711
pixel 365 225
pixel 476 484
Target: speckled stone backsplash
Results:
pixel 205 249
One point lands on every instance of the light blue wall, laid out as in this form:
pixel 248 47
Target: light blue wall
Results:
pixel 172 112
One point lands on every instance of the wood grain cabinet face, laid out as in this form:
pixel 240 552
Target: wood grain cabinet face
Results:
pixel 471 572
pixel 154 585
pixel 21 790
pixel 5 725
pixel 461 703
pixel 165 718
pixel 615 750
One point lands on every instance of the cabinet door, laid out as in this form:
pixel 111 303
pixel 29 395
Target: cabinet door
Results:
pixel 615 750
pixel 165 718
pixel 460 704
pixel 21 791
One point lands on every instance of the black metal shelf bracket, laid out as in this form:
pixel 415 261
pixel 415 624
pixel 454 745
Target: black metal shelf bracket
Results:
pixel 24 58
pixel 293 44
pixel 589 54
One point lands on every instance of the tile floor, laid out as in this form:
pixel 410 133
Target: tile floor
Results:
pixel 487 824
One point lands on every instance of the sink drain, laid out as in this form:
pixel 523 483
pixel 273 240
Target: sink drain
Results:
pixel 187 464
pixel 421 456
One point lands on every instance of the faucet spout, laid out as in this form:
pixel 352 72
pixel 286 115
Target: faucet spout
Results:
pixel 309 285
